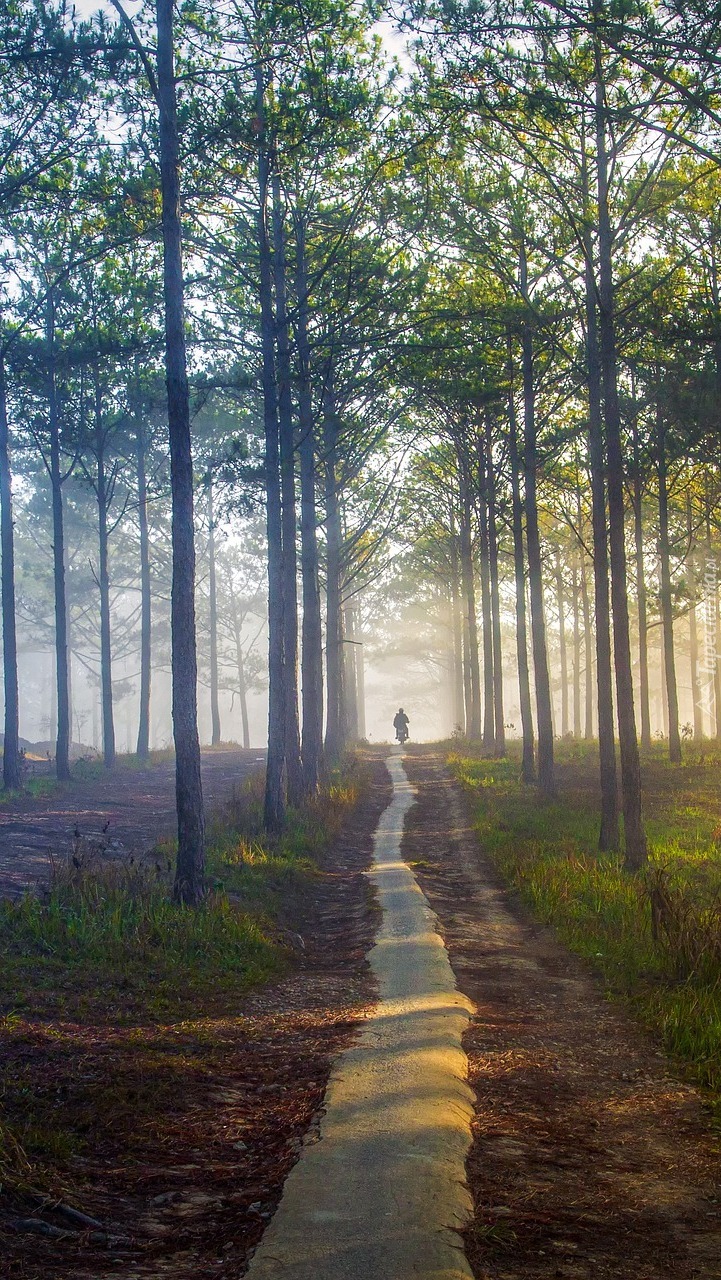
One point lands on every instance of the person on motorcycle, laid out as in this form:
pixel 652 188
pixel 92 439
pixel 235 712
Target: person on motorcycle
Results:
pixel 400 724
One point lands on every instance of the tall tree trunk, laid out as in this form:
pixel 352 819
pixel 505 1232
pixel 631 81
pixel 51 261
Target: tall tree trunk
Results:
pixel 240 665
pixel 62 747
pixel 575 611
pixel 634 834
pixel 102 494
pixel 293 766
pixel 666 603
pixel 213 620
pixel 697 712
pixel 499 719
pixel 562 651
pixel 712 623
pixel 609 834
pixel 459 710
pixel 243 695
pixel 641 593
pixel 486 612
pixel 360 675
pixel 335 715
pixel 473 716
pixel 274 807
pixel 467 690
pixel 546 775
pixel 528 767
pixel 588 653
pixel 664 692
pixel 242 682
pixel 692 624
pixel 53 720
pixel 11 741
pixel 190 865
pixel 312 636
pixel 350 673
pixel 356 679
pixel 717 668
pixel 143 743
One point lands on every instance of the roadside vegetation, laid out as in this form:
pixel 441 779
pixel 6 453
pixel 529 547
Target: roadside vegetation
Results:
pixel 655 937
pixel 115 1000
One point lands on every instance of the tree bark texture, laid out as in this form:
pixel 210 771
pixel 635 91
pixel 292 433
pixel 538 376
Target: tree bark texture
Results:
pixel 634 834
pixel 274 808
pixel 102 494
pixel 528 767
pixel 665 596
pixel 575 613
pixel 459 709
pixel 293 765
pixel 693 623
pixel 588 652
pixel 12 777
pixel 62 746
pixel 562 649
pixel 143 743
pixel 335 714
pixel 473 714
pixel 609 833
pixel 546 773
pixel 486 612
pixel 190 865
pixel 312 635
pixel 641 595
pixel 350 674
pixel 499 743
pixel 213 620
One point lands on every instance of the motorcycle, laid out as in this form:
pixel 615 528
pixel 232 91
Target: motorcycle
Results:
pixel 402 734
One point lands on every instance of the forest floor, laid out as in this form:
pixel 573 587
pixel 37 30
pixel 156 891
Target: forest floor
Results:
pixel 591 1158
pixel 176 1133
pixel 129 809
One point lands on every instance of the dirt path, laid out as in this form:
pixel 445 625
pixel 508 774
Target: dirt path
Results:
pixel 379 1194
pixel 590 1158
pixel 136 807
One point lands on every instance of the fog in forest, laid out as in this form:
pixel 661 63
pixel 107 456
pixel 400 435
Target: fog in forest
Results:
pixel 358 357
pixel 400 628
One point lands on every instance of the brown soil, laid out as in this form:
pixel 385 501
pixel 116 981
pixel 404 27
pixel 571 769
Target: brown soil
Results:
pixel 130 807
pixel 196 1130
pixel 590 1158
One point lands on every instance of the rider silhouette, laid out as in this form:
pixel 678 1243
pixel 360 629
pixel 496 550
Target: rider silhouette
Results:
pixel 400 724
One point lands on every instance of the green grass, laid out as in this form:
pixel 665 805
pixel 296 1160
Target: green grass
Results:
pixel 254 867
pixel 109 933
pixel 654 937
pixel 38 788
pixel 131 947
pixel 91 768
pixel 85 769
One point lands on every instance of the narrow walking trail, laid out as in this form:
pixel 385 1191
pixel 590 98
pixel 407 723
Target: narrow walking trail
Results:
pixel 379 1191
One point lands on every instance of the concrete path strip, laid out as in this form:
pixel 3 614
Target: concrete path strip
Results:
pixel 381 1194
